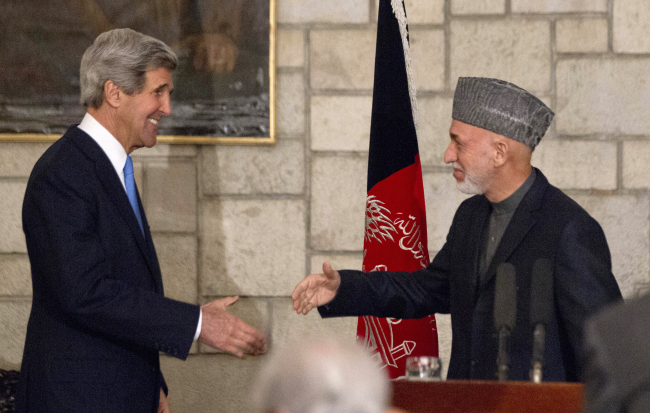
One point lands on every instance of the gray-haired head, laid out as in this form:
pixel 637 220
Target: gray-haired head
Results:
pixel 502 108
pixel 123 56
pixel 321 377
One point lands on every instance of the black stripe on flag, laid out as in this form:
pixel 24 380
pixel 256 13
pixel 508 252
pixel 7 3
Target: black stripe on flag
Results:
pixel 393 140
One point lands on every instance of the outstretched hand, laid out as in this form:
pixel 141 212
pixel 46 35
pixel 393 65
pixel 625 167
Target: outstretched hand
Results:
pixel 224 331
pixel 316 289
pixel 163 404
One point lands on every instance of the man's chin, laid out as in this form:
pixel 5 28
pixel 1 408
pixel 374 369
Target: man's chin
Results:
pixel 150 143
pixel 468 188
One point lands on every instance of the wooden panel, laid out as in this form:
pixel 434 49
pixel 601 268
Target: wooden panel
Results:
pixel 476 396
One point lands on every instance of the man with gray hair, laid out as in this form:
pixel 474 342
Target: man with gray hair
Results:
pixel 321 376
pixel 99 317
pixel 516 217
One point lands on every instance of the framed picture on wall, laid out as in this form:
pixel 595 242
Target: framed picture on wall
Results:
pixel 224 86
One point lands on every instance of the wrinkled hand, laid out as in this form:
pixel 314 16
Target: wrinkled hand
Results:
pixel 316 289
pixel 163 405
pixel 224 331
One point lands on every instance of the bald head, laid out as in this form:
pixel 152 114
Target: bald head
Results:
pixel 321 376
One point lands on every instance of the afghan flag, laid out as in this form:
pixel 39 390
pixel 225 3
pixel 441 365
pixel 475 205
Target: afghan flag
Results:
pixel 396 225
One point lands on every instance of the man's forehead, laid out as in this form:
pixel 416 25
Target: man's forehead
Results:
pixel 160 77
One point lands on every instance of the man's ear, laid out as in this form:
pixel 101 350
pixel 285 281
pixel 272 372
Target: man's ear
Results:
pixel 112 94
pixel 500 152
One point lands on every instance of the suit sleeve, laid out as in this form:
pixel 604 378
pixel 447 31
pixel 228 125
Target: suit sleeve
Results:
pixel 74 277
pixel 584 282
pixel 393 294
pixel 602 395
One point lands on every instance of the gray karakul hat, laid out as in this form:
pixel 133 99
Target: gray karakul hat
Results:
pixel 502 108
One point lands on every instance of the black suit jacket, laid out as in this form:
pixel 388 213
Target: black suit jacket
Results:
pixel 617 372
pixel 546 224
pixel 99 317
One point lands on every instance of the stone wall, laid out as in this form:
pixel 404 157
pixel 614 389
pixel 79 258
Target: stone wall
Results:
pixel 253 221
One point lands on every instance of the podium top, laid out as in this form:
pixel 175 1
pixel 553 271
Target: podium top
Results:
pixel 481 396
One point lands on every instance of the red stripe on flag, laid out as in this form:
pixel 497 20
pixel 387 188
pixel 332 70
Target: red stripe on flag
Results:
pixel 396 240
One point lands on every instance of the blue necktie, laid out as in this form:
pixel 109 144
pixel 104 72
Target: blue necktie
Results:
pixel 131 192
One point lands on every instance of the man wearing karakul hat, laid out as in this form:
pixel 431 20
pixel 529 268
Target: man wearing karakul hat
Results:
pixel 515 217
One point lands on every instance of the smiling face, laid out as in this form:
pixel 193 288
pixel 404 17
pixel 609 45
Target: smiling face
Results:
pixel 469 153
pixel 138 114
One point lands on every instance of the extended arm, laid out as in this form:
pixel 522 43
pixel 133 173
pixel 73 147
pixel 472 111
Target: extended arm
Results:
pixel 381 294
pixel 392 294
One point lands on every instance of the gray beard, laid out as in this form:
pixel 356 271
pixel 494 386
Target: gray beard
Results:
pixel 469 187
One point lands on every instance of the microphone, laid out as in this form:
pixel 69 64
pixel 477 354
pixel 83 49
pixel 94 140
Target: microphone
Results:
pixel 541 299
pixel 505 314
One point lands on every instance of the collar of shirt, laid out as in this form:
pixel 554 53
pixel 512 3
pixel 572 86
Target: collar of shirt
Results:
pixel 510 204
pixel 111 146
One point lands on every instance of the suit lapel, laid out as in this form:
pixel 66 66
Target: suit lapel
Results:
pixel 520 224
pixel 474 241
pixel 522 221
pixel 116 193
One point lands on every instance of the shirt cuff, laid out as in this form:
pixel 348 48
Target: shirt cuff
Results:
pixel 198 327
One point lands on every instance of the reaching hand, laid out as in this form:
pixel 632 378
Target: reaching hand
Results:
pixel 224 331
pixel 316 289
pixel 163 404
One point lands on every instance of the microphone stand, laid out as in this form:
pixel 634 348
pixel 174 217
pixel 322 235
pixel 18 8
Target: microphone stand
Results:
pixel 503 361
pixel 505 314
pixel 541 303
pixel 539 335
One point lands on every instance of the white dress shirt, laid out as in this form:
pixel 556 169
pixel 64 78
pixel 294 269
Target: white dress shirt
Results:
pixel 111 146
pixel 117 155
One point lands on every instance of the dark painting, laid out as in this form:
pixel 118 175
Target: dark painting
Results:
pixel 223 85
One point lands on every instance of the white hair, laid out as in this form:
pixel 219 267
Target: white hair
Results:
pixel 123 56
pixel 321 377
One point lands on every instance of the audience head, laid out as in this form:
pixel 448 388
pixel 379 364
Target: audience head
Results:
pixel 322 376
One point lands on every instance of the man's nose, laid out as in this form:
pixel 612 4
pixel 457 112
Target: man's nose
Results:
pixel 166 105
pixel 450 153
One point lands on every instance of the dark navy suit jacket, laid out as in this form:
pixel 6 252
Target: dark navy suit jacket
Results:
pixel 617 372
pixel 99 317
pixel 546 224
